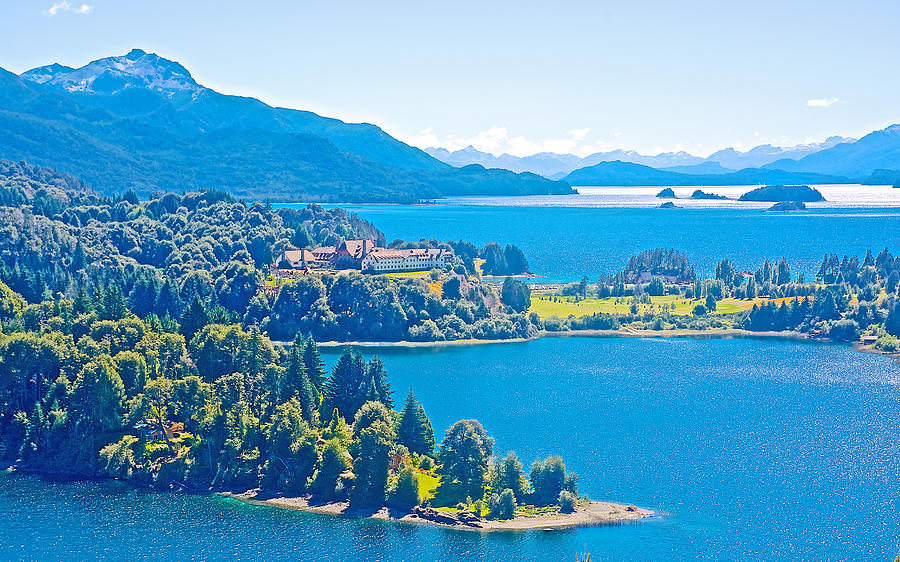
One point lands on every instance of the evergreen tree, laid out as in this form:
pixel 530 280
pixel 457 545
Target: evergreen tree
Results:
pixel 377 378
pixel 315 367
pixel 114 305
pixel 782 273
pixel 515 294
pixel 296 382
pixel 169 299
pixel 98 396
pixel 343 390
pixel 195 317
pixel 414 430
pixel 516 263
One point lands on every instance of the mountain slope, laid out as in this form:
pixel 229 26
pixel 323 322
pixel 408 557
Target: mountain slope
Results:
pixel 142 122
pixel 877 150
pixel 763 154
pixel 626 173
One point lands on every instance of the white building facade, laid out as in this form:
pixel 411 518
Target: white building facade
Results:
pixel 385 260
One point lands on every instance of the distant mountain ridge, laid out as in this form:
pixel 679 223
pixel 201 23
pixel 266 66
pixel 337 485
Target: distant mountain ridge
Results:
pixel 554 165
pixel 628 174
pixel 879 150
pixel 142 121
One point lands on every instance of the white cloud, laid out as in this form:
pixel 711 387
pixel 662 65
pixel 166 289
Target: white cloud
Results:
pixel 579 134
pixel 497 140
pixel 65 6
pixel 822 102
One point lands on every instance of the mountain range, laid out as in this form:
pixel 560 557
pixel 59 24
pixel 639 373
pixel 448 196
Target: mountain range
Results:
pixel 141 121
pixel 556 166
pixel 626 173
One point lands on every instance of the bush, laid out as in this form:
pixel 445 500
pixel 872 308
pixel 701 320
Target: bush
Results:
pixel 502 506
pixel 699 310
pixel 117 459
pixel 406 493
pixel 426 463
pixel 515 294
pixel 887 343
pixel 567 501
pixel 844 330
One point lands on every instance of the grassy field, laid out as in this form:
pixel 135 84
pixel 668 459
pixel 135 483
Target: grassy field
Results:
pixel 545 307
pixel 414 274
pixel 427 485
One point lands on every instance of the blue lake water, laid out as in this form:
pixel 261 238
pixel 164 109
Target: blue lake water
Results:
pixel 565 243
pixel 749 448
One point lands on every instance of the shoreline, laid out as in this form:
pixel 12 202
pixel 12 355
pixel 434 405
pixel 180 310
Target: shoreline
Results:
pixel 592 514
pixel 619 333
pixel 587 514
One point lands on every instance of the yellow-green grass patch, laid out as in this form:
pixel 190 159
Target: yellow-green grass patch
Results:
pixel 547 306
pixel 428 483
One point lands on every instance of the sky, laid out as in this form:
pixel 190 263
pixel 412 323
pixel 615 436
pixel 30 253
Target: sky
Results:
pixel 518 77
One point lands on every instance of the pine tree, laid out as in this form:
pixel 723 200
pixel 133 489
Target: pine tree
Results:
pixel 195 317
pixel 297 383
pixel 169 299
pixel 378 380
pixel 315 367
pixel 414 430
pixel 114 307
pixel 342 389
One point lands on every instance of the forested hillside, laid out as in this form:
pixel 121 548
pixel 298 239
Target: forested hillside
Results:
pixel 201 255
pixel 141 122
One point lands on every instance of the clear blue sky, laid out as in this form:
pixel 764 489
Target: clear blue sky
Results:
pixel 514 76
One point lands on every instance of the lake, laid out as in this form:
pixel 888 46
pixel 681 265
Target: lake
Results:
pixel 594 233
pixel 749 448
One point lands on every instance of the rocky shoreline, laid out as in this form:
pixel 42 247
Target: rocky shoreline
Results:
pixel 587 514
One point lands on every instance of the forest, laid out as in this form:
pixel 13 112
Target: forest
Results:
pixel 206 253
pixel 90 389
pixel 137 342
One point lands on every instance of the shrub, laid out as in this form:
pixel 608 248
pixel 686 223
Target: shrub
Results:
pixel 887 343
pixel 406 493
pixel 117 459
pixel 567 501
pixel 844 330
pixel 502 506
pixel 699 310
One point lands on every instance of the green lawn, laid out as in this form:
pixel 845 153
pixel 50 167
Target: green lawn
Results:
pixel 427 485
pixel 545 308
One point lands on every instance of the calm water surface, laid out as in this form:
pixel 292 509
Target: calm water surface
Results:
pixel 750 448
pixel 565 242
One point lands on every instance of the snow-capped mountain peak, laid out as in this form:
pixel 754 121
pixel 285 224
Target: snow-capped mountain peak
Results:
pixel 111 75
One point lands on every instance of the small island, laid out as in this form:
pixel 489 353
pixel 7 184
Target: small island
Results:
pixel 775 193
pixel 787 207
pixel 700 194
pixel 668 205
pixel 666 193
